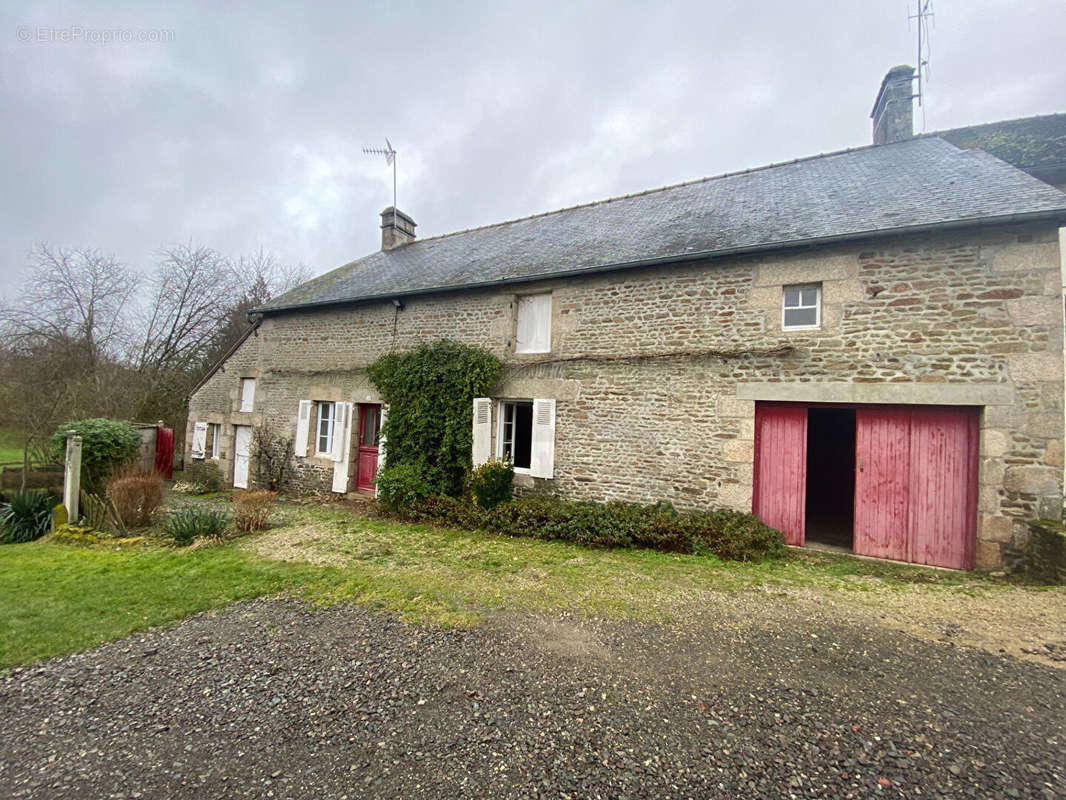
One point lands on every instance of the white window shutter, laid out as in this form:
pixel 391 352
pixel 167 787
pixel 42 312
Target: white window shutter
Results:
pixel 342 422
pixel 199 439
pixel 533 333
pixel 303 424
pixel 342 434
pixel 381 438
pixel 482 431
pixel 542 459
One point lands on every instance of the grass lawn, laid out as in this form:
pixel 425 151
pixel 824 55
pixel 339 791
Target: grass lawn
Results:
pixel 10 449
pixel 58 598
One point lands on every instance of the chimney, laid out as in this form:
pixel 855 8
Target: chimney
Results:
pixel 893 113
pixel 397 229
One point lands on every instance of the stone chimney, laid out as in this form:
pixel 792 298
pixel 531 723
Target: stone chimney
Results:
pixel 893 113
pixel 397 229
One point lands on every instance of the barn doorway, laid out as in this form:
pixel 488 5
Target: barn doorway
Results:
pixel 830 511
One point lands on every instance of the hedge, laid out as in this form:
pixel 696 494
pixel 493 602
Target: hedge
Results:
pixel 730 535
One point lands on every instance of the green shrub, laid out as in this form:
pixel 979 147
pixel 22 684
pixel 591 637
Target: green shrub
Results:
pixel 492 483
pixel 26 516
pixel 204 476
pixel 106 444
pixel 402 487
pixel 726 534
pixel 188 524
pixel 430 391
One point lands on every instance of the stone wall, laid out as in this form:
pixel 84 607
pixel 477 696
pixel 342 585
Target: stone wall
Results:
pixel 980 309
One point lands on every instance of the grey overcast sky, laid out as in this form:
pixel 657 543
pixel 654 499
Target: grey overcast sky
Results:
pixel 243 127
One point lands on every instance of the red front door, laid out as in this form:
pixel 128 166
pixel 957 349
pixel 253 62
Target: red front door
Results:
pixel 367 460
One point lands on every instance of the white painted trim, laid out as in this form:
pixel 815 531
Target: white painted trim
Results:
pixel 817 307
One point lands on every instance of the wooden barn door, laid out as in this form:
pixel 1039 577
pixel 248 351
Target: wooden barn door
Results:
pixel 943 487
pixel 780 480
pixel 916 484
pixel 882 464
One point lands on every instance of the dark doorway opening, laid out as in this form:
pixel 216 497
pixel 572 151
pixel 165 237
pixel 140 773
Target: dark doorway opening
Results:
pixel 831 476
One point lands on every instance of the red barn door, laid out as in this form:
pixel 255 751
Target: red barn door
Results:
pixel 943 490
pixel 882 464
pixel 780 490
pixel 916 484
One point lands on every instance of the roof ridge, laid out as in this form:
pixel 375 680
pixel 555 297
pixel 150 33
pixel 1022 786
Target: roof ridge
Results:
pixel 733 174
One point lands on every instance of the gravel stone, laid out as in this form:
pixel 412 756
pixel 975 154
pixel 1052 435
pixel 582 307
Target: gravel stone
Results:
pixel 275 698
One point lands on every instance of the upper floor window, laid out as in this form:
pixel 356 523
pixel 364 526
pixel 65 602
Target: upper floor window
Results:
pixel 533 331
pixel 247 394
pixel 327 413
pixel 802 306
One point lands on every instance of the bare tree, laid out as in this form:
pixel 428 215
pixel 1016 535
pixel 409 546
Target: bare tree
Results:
pixel 72 298
pixel 192 292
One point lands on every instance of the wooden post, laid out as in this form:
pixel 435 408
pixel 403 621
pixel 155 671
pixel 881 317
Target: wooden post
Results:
pixel 72 477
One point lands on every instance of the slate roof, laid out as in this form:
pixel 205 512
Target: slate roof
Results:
pixel 1036 145
pixel 913 185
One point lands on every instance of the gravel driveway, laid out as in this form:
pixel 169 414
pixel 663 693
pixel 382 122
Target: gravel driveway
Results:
pixel 754 697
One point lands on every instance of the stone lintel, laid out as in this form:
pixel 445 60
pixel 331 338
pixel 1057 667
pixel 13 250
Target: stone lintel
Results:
pixel 926 394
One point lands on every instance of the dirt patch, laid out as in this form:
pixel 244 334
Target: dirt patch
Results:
pixel 567 639
pixel 308 544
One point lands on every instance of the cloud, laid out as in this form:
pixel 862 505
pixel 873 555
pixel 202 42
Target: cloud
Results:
pixel 246 128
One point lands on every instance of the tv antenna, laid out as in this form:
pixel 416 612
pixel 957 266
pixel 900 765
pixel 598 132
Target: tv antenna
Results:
pixel 924 16
pixel 390 158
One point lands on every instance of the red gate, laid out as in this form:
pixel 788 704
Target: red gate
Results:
pixel 164 452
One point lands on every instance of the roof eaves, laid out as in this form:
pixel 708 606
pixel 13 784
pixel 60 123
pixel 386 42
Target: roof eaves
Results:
pixel 221 361
pixel 1001 219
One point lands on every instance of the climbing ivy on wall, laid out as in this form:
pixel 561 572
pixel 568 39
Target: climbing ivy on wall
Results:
pixel 429 392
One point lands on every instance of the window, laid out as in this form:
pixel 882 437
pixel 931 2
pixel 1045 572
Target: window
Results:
pixel 516 432
pixel 802 306
pixel 324 437
pixel 247 393
pixel 216 439
pixel 533 329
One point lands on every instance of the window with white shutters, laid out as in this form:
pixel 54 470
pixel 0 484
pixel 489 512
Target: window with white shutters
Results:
pixel 525 434
pixel 533 327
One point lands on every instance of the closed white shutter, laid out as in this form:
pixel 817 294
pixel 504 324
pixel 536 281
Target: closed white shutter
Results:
pixel 482 431
pixel 247 394
pixel 381 438
pixel 542 459
pixel 342 436
pixel 199 439
pixel 303 424
pixel 533 332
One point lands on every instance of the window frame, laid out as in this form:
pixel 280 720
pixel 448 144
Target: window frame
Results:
pixel 800 287
pixel 501 424
pixel 330 433
pixel 518 303
pixel 216 439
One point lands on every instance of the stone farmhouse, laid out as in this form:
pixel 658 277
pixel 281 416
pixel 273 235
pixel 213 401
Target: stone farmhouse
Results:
pixel 865 347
